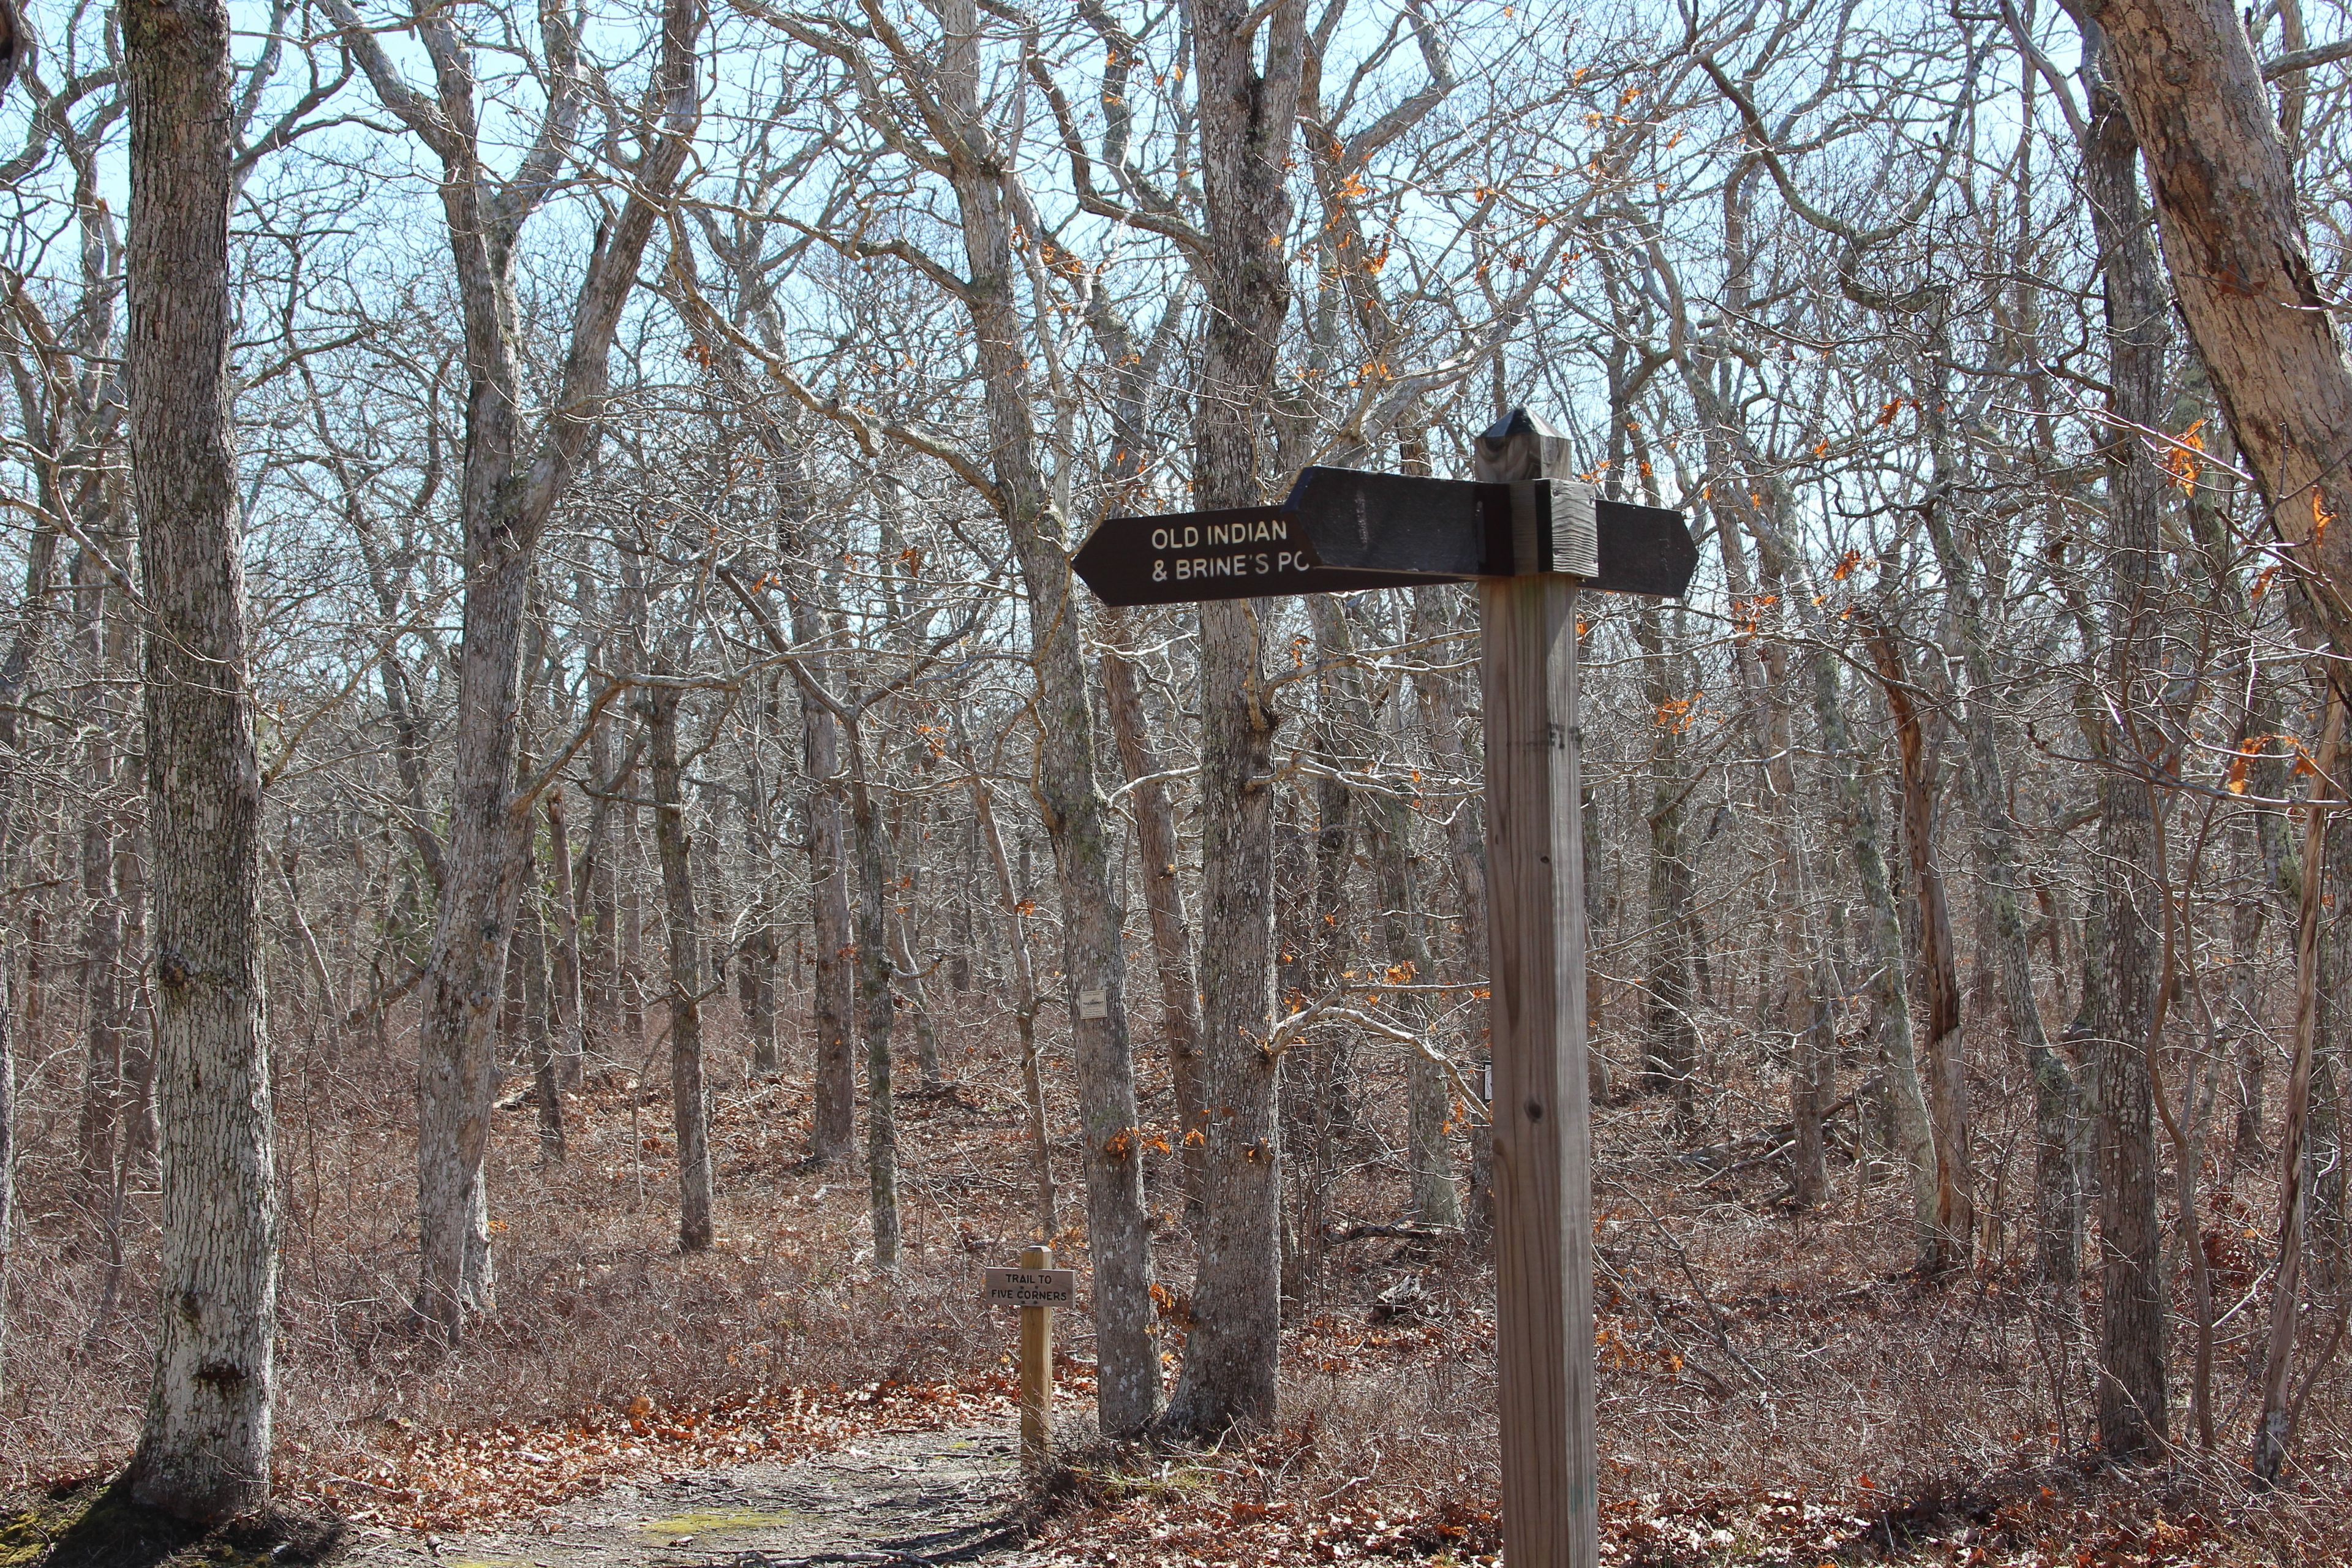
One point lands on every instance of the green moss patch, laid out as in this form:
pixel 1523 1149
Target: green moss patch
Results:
pixel 723 1521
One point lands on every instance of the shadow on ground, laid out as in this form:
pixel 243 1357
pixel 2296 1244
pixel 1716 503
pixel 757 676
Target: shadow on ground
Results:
pixel 98 1525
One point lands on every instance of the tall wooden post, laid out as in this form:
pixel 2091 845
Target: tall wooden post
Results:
pixel 1036 1368
pixel 1543 1182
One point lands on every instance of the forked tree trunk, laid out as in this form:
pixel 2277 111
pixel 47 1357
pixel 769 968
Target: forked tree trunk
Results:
pixel 509 488
pixel 1094 955
pixel 205 1445
pixel 1939 973
pixel 689 1095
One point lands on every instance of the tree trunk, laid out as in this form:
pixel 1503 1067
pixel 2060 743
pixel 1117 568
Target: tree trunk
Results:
pixel 1247 117
pixel 1163 897
pixel 833 1007
pixel 689 1096
pixel 1094 957
pixel 509 488
pixel 2275 1427
pixel 759 987
pixel 910 984
pixel 1438 692
pixel 1857 819
pixel 874 1019
pixel 204 1447
pixel 530 957
pixel 600 958
pixel 1024 989
pixel 2186 72
pixel 8 1129
pixel 2133 1412
pixel 1669 1038
pixel 100 954
pixel 2323 1134
pixel 1387 816
pixel 1984 787
pixel 570 1017
pixel 1946 1075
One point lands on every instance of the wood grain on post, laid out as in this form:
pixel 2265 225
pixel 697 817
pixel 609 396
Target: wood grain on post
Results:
pixel 1036 1368
pixel 1543 1193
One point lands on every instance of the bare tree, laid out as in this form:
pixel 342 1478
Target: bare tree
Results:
pixel 204 1446
pixel 509 487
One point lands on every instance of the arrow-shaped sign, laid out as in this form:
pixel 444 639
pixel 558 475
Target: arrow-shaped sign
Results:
pixel 1341 529
pixel 1245 553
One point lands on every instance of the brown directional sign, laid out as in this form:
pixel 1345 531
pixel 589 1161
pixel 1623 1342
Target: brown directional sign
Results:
pixel 1642 550
pixel 1190 556
pixel 1341 529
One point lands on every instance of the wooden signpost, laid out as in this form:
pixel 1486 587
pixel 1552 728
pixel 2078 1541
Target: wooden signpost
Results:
pixel 1036 1287
pixel 1533 538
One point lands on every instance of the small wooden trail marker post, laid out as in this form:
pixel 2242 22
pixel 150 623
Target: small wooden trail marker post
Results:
pixel 1036 1287
pixel 1534 539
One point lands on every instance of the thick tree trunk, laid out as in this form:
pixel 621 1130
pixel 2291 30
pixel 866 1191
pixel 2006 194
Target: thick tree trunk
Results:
pixel 204 1447
pixel 1247 121
pixel 2133 1410
pixel 2233 241
pixel 689 1096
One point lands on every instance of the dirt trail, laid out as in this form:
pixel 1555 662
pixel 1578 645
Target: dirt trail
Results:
pixel 899 1501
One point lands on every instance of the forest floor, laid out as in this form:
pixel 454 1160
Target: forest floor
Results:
pixel 940 1496
pixel 1774 1388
